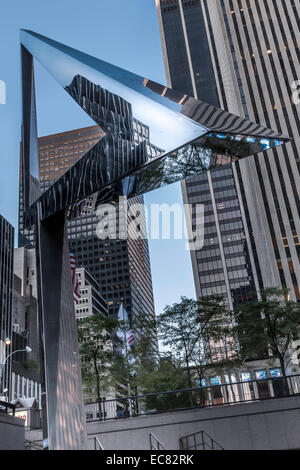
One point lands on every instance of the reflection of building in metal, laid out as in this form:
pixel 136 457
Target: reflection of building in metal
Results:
pixel 242 58
pixel 25 381
pixel 114 166
pixel 57 153
pixel 117 164
pixel 6 292
pixel 90 303
pixel 113 263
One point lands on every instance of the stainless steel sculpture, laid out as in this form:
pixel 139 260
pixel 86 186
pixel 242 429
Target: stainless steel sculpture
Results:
pixel 153 136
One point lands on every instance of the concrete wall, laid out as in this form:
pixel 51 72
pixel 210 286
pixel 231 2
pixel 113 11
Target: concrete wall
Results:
pixel 12 433
pixel 271 424
pixel 265 425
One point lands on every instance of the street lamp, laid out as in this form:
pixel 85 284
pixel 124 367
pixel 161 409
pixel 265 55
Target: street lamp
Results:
pixel 8 342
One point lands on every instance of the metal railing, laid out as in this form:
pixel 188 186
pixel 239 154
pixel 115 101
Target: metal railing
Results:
pixel 199 441
pixel 95 443
pixel 7 408
pixel 31 445
pixel 155 443
pixel 200 397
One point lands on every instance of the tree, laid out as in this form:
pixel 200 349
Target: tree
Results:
pixel 268 324
pixel 96 334
pixel 141 358
pixel 145 349
pixel 218 348
pixel 165 376
pixel 108 362
pixel 191 328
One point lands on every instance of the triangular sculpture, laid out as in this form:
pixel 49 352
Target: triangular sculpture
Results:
pixel 153 136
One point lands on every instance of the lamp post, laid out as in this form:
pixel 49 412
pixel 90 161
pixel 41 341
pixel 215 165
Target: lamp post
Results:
pixel 8 342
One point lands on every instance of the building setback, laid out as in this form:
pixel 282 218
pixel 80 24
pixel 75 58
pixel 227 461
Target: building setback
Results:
pixel 243 56
pixel 90 302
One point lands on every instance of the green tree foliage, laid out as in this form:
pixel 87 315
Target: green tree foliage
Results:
pixel 268 324
pixel 190 327
pixel 31 364
pixel 96 334
pixel 187 329
pixel 108 363
pixel 165 376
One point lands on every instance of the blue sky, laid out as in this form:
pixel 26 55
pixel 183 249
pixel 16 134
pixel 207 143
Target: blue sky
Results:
pixel 123 32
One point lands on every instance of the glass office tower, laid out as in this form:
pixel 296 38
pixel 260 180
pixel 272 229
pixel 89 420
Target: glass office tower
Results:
pixel 6 296
pixel 243 55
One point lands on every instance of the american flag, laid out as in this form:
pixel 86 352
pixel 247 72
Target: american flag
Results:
pixel 75 283
pixel 76 209
pixel 130 338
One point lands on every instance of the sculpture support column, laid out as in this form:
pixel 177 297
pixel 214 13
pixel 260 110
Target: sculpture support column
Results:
pixel 65 417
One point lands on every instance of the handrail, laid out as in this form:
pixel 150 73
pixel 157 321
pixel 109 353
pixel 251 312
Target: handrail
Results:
pixel 7 405
pixel 97 443
pixel 120 399
pixel 31 445
pixel 206 442
pixel 157 445
pixel 223 394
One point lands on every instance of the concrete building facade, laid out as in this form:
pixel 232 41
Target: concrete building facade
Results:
pixel 90 302
pixel 242 55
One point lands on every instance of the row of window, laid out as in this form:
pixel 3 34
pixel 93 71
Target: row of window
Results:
pixel 23 387
pixel 246 376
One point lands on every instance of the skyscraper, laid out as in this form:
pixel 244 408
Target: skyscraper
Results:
pixel 91 301
pixel 242 55
pixel 25 378
pixel 120 266
pixel 6 294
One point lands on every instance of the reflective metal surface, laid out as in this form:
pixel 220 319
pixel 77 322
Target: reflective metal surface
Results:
pixel 154 135
pixel 64 412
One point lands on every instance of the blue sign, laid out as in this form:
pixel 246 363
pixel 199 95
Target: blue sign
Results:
pixel 260 374
pixel 215 380
pixel 245 376
pixel 275 373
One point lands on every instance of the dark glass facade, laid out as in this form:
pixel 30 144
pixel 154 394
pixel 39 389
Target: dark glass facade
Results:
pixel 202 67
pixel 190 69
pixel 223 265
pixel 179 64
pixel 6 296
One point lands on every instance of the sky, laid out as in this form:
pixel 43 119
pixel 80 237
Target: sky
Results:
pixel 123 32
